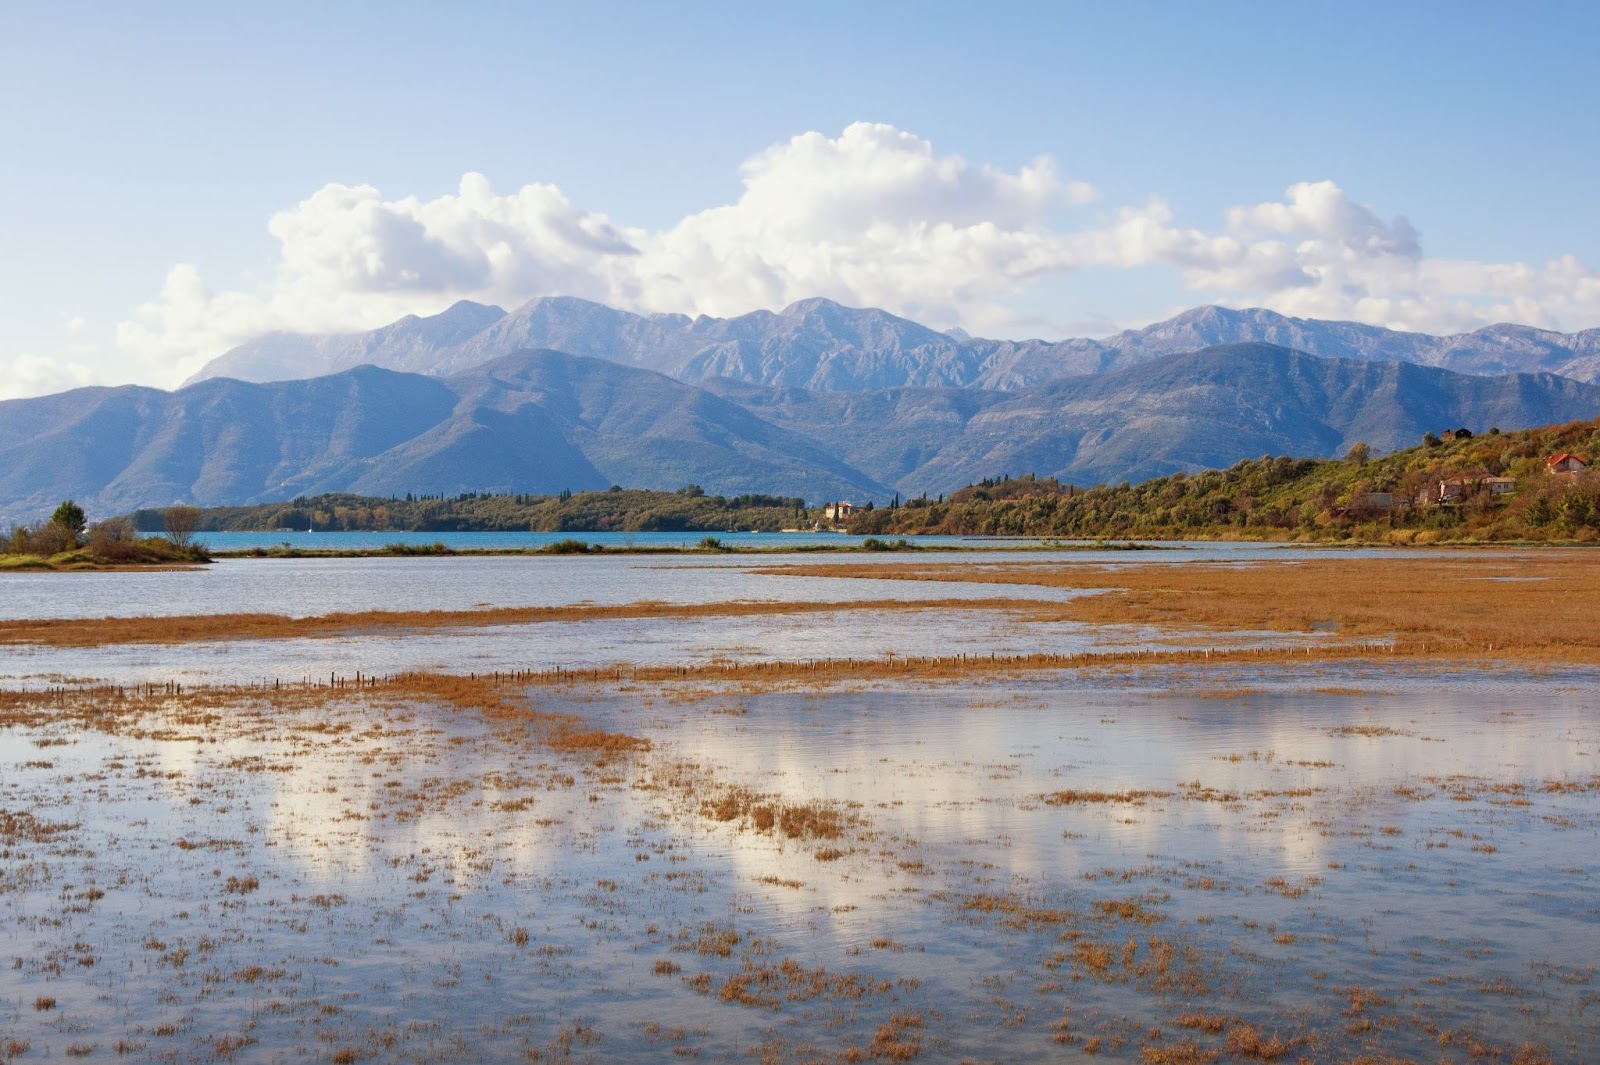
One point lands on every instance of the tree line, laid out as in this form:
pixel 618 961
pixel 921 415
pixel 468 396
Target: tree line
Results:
pixel 616 509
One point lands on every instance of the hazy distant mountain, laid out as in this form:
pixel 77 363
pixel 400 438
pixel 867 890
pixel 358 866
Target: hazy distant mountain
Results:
pixel 820 345
pixel 411 343
pixel 1495 349
pixel 813 344
pixel 560 323
pixel 540 421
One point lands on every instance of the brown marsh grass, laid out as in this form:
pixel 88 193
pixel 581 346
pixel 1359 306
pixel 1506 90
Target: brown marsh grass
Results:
pixel 897 1039
pixel 1136 797
pixel 766 814
pixel 1483 603
pixel 200 628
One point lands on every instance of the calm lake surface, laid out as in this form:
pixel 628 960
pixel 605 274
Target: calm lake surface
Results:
pixel 301 587
pixel 1095 866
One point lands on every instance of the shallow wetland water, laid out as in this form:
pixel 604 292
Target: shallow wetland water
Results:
pixel 1328 862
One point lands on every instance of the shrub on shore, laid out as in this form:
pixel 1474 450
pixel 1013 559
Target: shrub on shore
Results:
pixel 436 548
pixel 571 546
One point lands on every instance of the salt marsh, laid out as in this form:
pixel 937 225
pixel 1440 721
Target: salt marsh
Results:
pixel 1330 861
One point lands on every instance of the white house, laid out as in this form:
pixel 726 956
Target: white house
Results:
pixel 839 511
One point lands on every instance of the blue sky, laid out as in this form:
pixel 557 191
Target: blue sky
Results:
pixel 1018 169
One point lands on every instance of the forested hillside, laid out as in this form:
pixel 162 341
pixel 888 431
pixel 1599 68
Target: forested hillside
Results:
pixel 1439 490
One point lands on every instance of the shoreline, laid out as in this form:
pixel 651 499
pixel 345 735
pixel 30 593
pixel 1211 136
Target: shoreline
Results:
pixel 870 546
pixel 575 547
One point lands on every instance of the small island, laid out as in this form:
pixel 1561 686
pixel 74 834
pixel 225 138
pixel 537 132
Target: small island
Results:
pixel 68 542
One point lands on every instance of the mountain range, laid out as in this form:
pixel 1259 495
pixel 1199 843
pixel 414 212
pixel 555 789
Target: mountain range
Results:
pixel 822 346
pixel 540 420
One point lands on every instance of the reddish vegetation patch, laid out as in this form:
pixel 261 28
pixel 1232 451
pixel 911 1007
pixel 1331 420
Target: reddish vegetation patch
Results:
pixel 20 826
pixel 1072 797
pixel 897 1039
pixel 596 741
pixel 808 820
pixel 199 628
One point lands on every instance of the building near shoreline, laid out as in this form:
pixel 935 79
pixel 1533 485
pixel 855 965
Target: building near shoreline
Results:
pixel 1565 462
pixel 1455 489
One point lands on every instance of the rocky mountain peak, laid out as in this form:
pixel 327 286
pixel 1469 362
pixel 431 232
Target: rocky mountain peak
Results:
pixel 821 343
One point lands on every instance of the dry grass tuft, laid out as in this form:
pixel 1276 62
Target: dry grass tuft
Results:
pixel 1245 1042
pixel 1187 1052
pixel 595 742
pixel 1204 1022
pixel 897 1039
pixel 20 826
pixel 1073 797
pixel 1127 910
pixel 813 820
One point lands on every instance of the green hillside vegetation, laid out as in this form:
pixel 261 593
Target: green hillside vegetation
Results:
pixel 616 510
pixel 1360 498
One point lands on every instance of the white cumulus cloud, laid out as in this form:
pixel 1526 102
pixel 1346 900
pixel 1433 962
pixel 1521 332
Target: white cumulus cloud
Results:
pixel 188 324
pixel 874 216
pixel 38 375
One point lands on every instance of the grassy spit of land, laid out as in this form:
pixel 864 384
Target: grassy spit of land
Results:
pixel 198 628
pixel 68 542
pixel 146 553
pixel 708 545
